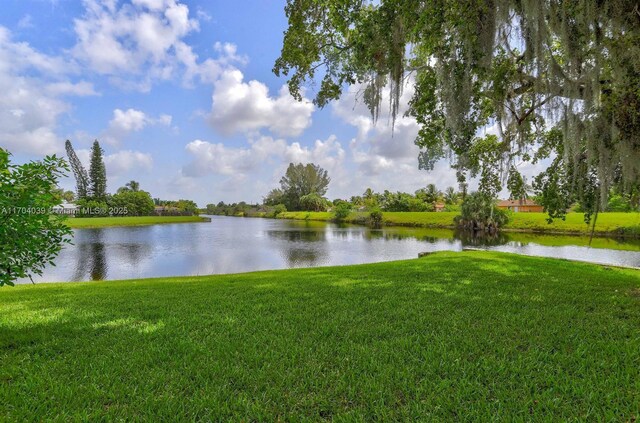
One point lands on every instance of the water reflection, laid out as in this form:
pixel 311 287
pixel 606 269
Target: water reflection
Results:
pixel 297 235
pixel 230 245
pixel 90 257
pixel 481 239
pixel 300 245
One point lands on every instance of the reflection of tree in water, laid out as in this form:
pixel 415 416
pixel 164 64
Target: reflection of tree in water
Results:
pixel 481 238
pixel 298 236
pixel 134 253
pixel 303 256
pixel 387 235
pixel 91 256
pixel 302 247
pixel 99 262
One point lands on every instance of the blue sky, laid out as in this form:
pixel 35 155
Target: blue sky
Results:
pixel 181 96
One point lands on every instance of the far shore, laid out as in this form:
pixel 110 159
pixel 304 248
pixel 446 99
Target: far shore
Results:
pixel 620 225
pixel 104 222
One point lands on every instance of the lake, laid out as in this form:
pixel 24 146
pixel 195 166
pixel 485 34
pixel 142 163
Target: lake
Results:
pixel 232 244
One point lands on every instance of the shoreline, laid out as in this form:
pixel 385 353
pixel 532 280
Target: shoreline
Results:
pixel 113 222
pixel 607 230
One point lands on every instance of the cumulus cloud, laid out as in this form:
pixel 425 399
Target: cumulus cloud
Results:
pixel 219 159
pixel 127 121
pixel 239 106
pixel 124 39
pixel 137 43
pixel 30 106
pixel 119 163
pixel 125 160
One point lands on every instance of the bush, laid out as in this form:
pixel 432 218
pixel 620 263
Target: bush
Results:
pixel 279 208
pixel 479 212
pixel 376 218
pixel 618 203
pixel 313 202
pixel 92 208
pixel 132 203
pixel 452 208
pixel 342 211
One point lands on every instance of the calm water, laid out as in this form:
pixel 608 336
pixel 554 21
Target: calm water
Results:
pixel 229 245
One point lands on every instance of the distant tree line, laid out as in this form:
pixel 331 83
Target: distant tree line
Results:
pixel 303 188
pixel 236 209
pixel 93 200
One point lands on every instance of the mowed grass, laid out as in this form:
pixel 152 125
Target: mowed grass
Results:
pixel 574 222
pixel 103 222
pixel 472 336
pixel 607 223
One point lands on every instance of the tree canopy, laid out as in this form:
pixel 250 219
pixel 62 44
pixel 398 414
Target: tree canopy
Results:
pixel 299 181
pixel 558 80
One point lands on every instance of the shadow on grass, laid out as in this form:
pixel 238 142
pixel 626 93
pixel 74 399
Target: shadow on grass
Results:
pixel 439 331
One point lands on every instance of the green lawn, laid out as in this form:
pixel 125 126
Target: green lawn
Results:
pixel 473 336
pixel 102 222
pixel 607 223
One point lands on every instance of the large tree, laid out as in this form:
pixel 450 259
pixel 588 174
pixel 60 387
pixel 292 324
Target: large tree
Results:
pixel 97 173
pixel 30 236
pixel 558 79
pixel 79 172
pixel 301 180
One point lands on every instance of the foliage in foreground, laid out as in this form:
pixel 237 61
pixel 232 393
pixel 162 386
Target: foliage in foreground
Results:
pixel 30 237
pixel 453 336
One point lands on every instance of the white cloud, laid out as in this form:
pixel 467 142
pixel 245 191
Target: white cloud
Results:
pixel 80 89
pixel 218 159
pixel 386 155
pixel 239 106
pixel 126 160
pixel 30 106
pixel 138 43
pixel 18 56
pixel 127 121
pixel 128 38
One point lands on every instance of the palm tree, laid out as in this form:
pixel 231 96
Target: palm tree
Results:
pixel 432 194
pixel 451 196
pixel 133 186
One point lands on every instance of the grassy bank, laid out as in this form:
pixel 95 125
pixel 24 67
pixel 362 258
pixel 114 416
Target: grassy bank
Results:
pixel 453 336
pixel 549 240
pixel 103 222
pixel 620 224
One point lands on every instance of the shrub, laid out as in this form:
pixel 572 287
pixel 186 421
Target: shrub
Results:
pixel 92 208
pixel 279 208
pixel 618 203
pixel 313 202
pixel 341 211
pixel 132 203
pixel 375 218
pixel 479 212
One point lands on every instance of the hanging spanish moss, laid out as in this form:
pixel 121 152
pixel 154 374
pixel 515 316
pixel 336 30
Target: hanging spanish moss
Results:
pixel 553 80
